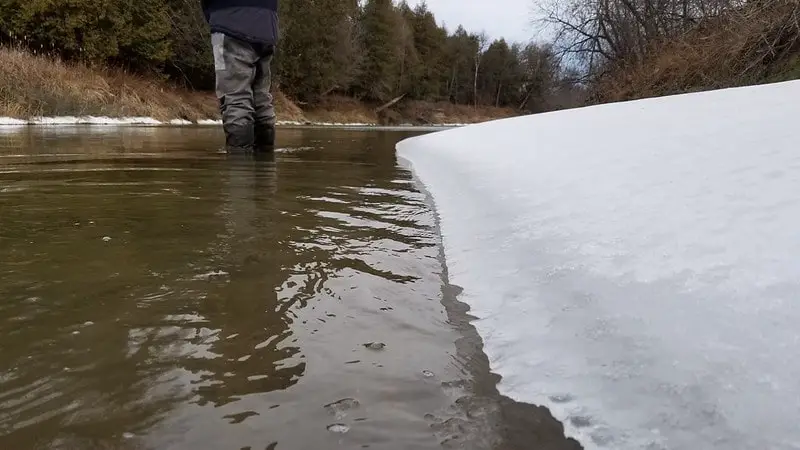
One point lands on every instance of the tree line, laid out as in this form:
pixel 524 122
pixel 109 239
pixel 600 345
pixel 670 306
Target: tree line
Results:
pixel 373 50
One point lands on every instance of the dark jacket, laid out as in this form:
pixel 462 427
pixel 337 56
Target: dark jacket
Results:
pixel 253 21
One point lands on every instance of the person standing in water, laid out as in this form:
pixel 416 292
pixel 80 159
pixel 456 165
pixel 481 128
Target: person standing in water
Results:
pixel 244 34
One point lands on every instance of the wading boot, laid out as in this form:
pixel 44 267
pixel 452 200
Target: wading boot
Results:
pixel 239 138
pixel 264 137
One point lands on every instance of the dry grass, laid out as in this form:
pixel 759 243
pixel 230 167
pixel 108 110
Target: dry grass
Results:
pixel 32 85
pixel 36 85
pixel 444 112
pixel 287 109
pixel 338 109
pixel 755 44
pixel 39 85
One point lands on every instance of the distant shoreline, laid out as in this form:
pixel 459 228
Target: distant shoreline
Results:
pixel 10 122
pixel 41 90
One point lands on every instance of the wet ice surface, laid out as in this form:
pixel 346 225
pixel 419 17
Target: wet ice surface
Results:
pixel 635 266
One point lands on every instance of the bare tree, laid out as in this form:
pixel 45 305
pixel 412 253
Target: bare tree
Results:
pixel 602 31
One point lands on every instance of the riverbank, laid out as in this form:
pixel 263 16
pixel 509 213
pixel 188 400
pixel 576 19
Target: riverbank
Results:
pixel 42 90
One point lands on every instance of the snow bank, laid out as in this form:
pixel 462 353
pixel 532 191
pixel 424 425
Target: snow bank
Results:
pixel 85 120
pixel 635 266
pixel 8 121
pixel 91 120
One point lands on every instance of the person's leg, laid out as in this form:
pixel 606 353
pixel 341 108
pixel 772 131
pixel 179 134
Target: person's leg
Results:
pixel 235 66
pixel 264 108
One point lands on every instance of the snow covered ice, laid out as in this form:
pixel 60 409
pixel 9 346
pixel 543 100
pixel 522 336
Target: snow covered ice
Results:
pixel 635 267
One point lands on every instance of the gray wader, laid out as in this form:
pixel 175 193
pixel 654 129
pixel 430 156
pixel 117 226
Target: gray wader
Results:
pixel 242 86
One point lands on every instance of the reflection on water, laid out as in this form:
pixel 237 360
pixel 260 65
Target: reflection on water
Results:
pixel 158 294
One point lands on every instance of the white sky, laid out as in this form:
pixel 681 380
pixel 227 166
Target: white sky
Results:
pixel 511 19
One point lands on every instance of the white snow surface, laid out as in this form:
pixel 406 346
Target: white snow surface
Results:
pixel 635 267
pixel 82 120
pixel 8 121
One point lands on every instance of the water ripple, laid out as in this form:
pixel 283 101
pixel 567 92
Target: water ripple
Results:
pixel 229 304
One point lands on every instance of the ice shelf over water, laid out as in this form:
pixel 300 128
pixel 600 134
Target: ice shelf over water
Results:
pixel 635 266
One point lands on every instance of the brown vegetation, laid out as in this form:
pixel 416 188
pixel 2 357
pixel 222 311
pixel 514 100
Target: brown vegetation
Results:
pixel 41 85
pixel 32 85
pixel 632 49
pixel 340 109
pixel 418 112
pixel 754 44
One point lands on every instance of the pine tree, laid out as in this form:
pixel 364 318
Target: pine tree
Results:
pixel 319 51
pixel 460 53
pixel 381 32
pixel 501 70
pixel 410 62
pixel 131 33
pixel 430 41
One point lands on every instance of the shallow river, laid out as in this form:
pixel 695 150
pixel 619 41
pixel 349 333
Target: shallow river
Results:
pixel 157 294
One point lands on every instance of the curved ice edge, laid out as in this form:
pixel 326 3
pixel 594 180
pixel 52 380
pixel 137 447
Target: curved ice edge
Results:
pixel 559 410
pixel 149 121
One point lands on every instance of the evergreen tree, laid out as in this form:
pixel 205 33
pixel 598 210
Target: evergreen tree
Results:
pixel 381 35
pixel 461 49
pixel 501 70
pixel 133 33
pixel 319 50
pixel 430 42
pixel 410 64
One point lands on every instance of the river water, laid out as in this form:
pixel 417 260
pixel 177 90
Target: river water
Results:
pixel 158 294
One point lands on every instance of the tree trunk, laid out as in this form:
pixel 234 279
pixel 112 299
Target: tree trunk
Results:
pixel 475 84
pixel 390 103
pixel 525 100
pixel 453 89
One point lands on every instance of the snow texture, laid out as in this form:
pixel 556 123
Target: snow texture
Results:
pixel 634 266
pixel 8 121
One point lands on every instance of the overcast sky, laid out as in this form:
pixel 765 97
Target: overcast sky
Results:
pixel 510 19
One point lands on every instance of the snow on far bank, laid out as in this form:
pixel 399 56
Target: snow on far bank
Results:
pixel 634 266
pixel 92 120
pixel 84 120
pixel 8 121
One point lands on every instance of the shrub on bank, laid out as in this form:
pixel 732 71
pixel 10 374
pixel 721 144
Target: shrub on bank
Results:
pixel 756 43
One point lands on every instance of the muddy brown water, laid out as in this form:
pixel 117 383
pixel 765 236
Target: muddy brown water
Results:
pixel 156 294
